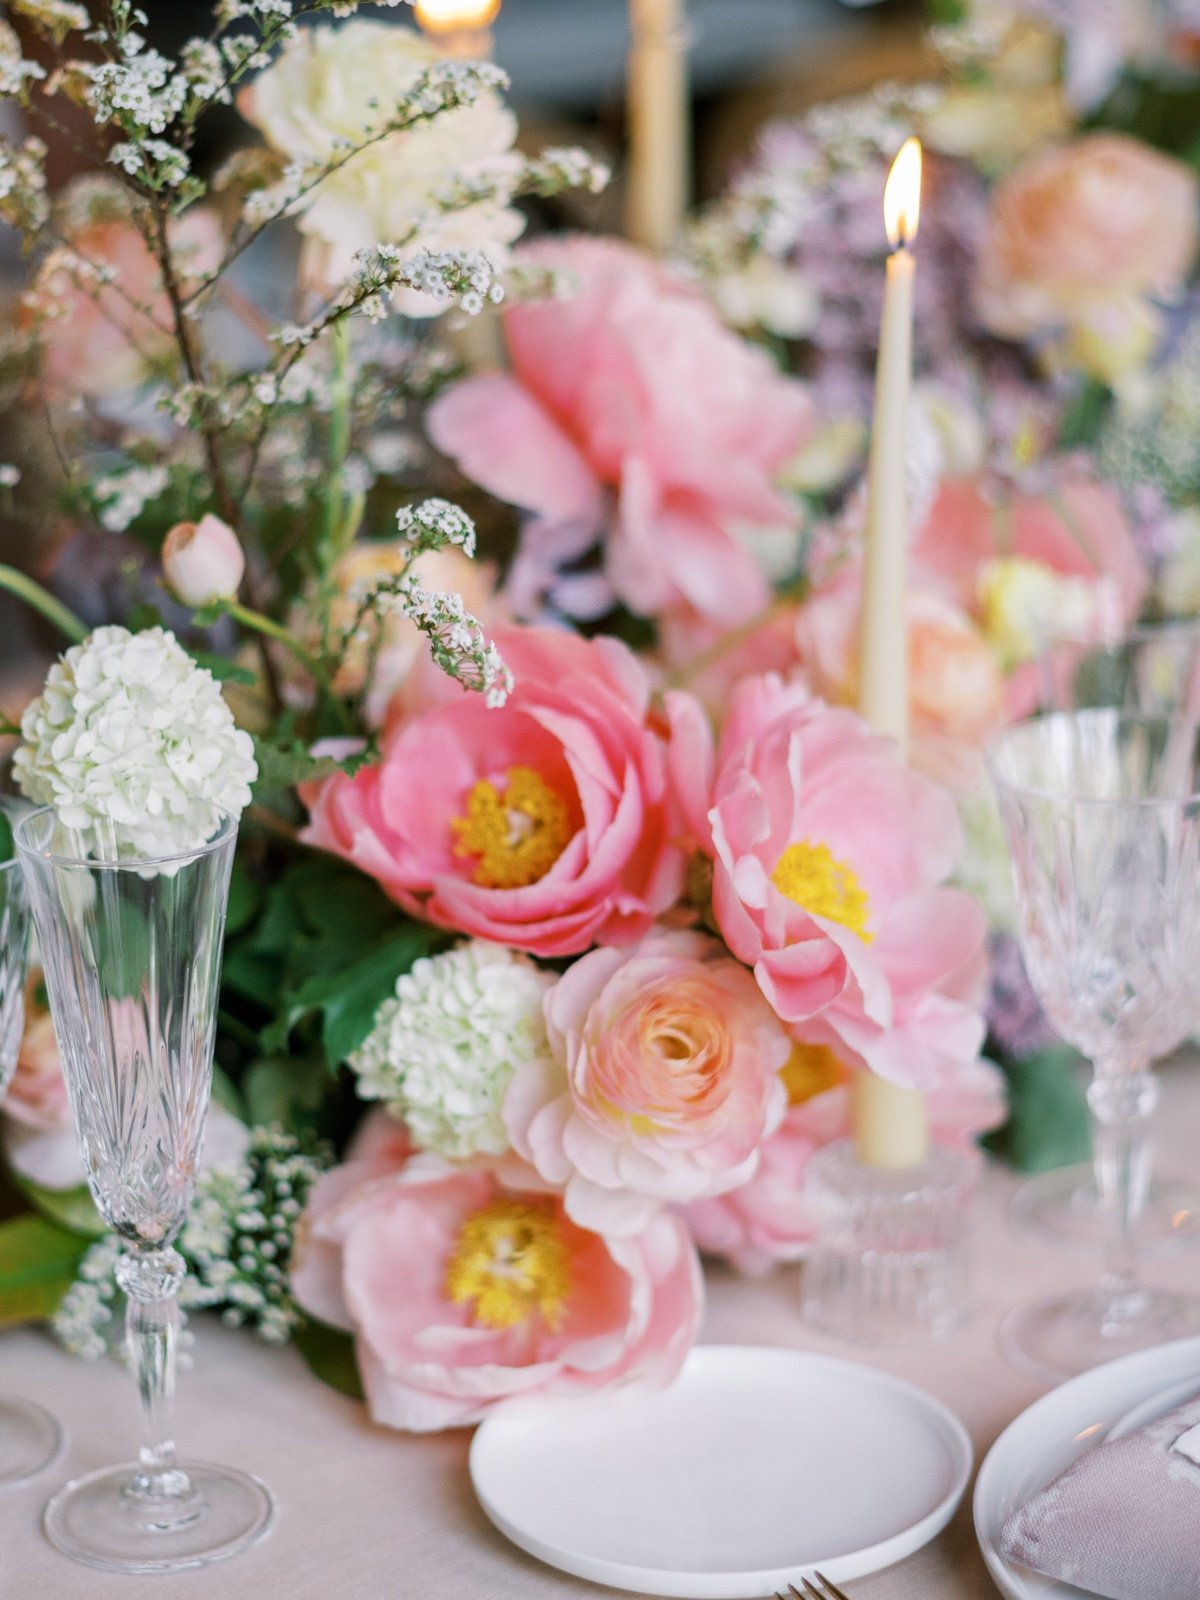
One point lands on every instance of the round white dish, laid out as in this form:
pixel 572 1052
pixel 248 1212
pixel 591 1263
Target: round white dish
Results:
pixel 757 1466
pixel 1057 1429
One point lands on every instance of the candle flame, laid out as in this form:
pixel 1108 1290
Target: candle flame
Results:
pixel 902 196
pixel 456 16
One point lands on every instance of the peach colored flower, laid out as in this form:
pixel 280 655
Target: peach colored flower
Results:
pixel 545 824
pixel 769 1219
pixel 37 1096
pixel 633 412
pixel 829 860
pixel 203 561
pixel 463 1292
pixel 662 1084
pixel 1082 230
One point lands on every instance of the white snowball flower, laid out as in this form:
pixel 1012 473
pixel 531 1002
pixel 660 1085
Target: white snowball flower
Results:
pixel 443 1051
pixel 325 91
pixel 133 746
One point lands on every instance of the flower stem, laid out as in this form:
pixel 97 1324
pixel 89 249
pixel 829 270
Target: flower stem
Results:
pixel 44 602
pixel 270 629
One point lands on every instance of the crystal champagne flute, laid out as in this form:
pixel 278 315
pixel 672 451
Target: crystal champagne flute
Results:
pixel 132 956
pixel 1102 813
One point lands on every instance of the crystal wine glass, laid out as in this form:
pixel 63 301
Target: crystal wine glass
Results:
pixel 1102 813
pixel 1151 669
pixel 132 956
pixel 30 1438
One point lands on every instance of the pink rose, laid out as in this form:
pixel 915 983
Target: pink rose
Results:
pixel 95 339
pixel 664 1080
pixel 463 1292
pixel 632 411
pixel 1101 222
pixel 545 824
pixel 829 859
pixel 769 1219
pixel 202 561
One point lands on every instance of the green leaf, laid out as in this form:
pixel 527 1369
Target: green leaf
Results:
pixel 245 899
pixel 38 1262
pixel 72 1209
pixel 1084 416
pixel 222 669
pixel 7 847
pixel 284 765
pixel 1049 1125
pixel 329 1355
pixel 286 1090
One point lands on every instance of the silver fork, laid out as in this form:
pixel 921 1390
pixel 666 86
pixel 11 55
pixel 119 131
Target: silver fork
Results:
pixel 821 1590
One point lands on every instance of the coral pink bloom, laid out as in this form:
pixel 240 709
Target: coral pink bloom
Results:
pixel 463 1293
pixel 632 410
pixel 37 1095
pixel 769 1220
pixel 545 824
pixel 663 1083
pixel 828 860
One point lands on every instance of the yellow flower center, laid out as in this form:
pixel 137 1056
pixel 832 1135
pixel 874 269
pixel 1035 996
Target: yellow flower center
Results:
pixel 510 1263
pixel 810 1070
pixel 812 876
pixel 516 835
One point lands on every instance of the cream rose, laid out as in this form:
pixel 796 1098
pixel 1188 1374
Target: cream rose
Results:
pixel 331 85
pixel 1082 236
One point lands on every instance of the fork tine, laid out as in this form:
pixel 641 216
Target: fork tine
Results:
pixel 828 1591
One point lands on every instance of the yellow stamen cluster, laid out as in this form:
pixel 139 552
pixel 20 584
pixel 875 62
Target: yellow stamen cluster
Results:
pixel 516 835
pixel 511 1263
pixel 812 876
pixel 810 1070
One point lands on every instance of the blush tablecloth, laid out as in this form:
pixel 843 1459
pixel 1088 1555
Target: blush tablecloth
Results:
pixel 365 1514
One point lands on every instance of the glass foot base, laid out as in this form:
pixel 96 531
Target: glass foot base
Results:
pixel 888 1264
pixel 99 1521
pixel 30 1439
pixel 1065 1206
pixel 1071 1333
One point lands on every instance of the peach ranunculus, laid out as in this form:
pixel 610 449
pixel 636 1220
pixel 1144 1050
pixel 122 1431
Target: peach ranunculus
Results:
pixel 829 863
pixel 769 1220
pixel 96 339
pixel 632 411
pixel 463 1292
pixel 956 690
pixel 1082 238
pixel 545 824
pixel 37 1095
pixel 662 1083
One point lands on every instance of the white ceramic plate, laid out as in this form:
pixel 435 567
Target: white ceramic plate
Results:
pixel 755 1467
pixel 1057 1429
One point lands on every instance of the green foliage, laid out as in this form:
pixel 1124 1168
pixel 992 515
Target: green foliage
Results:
pixel 1084 416
pixel 6 838
pixel 70 1209
pixel 37 1266
pixel 946 13
pixel 222 669
pixel 322 953
pixel 282 764
pixel 329 1355
pixel 1048 1124
pixel 285 1091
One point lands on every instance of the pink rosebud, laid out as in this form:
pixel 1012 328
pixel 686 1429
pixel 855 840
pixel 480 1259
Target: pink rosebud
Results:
pixel 202 561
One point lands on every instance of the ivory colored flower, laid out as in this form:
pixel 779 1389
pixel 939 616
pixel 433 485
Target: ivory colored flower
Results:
pixel 769 1219
pixel 133 746
pixel 1083 236
pixel 463 1292
pixel 662 1084
pixel 202 561
pixel 632 412
pixel 829 859
pixel 545 824
pixel 325 89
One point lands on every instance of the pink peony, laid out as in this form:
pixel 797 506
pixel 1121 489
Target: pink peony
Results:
pixel 631 410
pixel 463 1292
pixel 664 1080
pixel 1080 236
pixel 545 824
pixel 768 1220
pixel 829 859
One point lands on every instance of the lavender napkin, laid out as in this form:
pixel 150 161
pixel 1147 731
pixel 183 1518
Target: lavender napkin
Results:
pixel 1124 1521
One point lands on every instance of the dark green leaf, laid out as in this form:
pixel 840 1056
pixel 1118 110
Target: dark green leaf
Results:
pixel 6 838
pixel 1049 1125
pixel 37 1266
pixel 226 1094
pixel 329 1354
pixel 286 1090
pixel 1083 417
pixel 222 669
pixel 284 765
pixel 245 898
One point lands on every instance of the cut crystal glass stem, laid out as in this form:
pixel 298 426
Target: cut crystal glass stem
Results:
pixel 151 1279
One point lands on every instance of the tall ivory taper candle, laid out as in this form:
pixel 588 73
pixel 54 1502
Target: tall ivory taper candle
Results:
pixel 659 113
pixel 890 1128
pixel 462 28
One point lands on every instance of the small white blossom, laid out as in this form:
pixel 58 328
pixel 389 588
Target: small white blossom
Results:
pixel 443 1051
pixel 121 497
pixel 10 476
pixel 16 74
pixel 54 17
pixel 434 524
pixel 132 744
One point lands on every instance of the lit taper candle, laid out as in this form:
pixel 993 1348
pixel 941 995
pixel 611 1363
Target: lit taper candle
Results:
pixel 461 28
pixel 659 113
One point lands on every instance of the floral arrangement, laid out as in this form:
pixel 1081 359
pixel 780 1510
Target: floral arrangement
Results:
pixel 510 592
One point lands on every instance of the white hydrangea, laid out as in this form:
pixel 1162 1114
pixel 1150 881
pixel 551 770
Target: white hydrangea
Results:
pixel 133 746
pixel 443 1051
